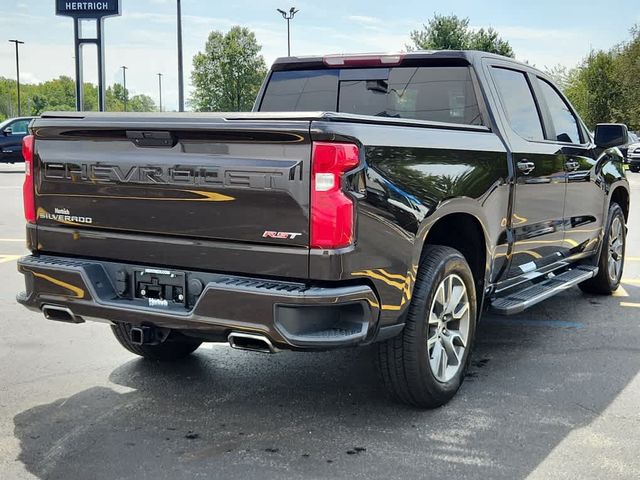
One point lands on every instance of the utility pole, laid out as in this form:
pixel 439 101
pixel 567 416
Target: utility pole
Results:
pixel 160 89
pixel 17 43
pixel 124 85
pixel 180 68
pixel 288 17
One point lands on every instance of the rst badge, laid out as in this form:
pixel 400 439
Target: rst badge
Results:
pixel 280 235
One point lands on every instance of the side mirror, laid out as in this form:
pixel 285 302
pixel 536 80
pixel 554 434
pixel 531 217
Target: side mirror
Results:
pixel 7 131
pixel 611 135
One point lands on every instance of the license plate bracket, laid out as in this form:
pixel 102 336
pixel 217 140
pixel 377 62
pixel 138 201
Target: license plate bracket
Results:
pixel 160 287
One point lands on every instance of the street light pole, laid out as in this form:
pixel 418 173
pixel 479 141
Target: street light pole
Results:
pixel 124 85
pixel 18 42
pixel 180 68
pixel 160 89
pixel 288 16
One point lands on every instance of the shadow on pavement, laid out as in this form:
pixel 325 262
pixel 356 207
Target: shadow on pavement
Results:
pixel 230 414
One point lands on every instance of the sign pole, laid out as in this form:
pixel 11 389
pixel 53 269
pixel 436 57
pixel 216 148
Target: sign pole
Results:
pixel 77 33
pixel 97 11
pixel 101 82
pixel 180 68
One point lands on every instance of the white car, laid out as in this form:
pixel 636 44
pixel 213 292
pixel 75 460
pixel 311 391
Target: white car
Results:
pixel 633 152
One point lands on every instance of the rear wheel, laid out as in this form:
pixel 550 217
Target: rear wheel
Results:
pixel 425 365
pixel 173 348
pixel 611 261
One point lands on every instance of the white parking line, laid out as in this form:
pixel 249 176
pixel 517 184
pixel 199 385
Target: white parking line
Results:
pixel 630 304
pixel 8 258
pixel 620 292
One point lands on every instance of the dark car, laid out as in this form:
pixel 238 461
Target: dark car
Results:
pixel 385 199
pixel 12 131
pixel 629 146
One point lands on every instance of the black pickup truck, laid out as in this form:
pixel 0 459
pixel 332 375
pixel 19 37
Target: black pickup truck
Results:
pixel 368 198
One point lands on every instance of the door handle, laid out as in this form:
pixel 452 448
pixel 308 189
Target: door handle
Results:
pixel 525 166
pixel 571 165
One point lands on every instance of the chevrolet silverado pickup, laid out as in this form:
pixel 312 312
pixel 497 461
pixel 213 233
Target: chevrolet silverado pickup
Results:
pixel 384 199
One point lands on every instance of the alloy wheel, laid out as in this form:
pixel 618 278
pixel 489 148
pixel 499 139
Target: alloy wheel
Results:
pixel 448 328
pixel 616 249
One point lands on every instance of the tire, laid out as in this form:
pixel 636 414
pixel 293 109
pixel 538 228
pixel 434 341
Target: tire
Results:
pixel 169 350
pixel 405 361
pixel 608 278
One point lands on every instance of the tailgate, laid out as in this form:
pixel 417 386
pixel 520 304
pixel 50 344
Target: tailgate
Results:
pixel 199 178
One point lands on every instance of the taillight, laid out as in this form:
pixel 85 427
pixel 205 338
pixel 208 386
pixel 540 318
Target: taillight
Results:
pixel 28 195
pixel 331 209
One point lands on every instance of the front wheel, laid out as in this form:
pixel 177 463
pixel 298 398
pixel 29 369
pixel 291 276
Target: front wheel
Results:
pixel 424 366
pixel 611 261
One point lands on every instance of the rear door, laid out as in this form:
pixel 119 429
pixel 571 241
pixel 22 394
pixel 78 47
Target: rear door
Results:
pixel 538 206
pixel 585 198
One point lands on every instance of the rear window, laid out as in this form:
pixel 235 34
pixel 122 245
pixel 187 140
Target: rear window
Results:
pixel 441 94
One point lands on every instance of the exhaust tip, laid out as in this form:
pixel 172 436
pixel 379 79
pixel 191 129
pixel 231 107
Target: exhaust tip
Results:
pixel 253 342
pixel 60 314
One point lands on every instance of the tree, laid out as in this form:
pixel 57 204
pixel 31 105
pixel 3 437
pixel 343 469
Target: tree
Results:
pixel 449 32
pixel 604 87
pixel 561 75
pixel 489 41
pixel 141 103
pixel 594 89
pixel 115 96
pixel 228 74
pixel 59 94
pixel 628 75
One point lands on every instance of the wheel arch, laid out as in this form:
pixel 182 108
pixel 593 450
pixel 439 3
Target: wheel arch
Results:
pixel 620 195
pixel 466 231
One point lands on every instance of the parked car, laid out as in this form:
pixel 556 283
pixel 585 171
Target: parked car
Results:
pixel 12 131
pixel 633 139
pixel 633 153
pixel 384 199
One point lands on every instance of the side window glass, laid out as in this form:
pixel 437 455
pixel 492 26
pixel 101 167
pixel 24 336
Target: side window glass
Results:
pixel 19 127
pixel 518 103
pixel 564 122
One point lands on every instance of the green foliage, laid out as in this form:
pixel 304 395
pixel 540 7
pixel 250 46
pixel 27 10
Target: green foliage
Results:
pixel 594 89
pixel 442 32
pixel 604 87
pixel 628 74
pixel 489 41
pixel 228 74
pixel 449 32
pixel 115 100
pixel 59 94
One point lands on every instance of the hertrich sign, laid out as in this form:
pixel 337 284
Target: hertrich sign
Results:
pixel 90 9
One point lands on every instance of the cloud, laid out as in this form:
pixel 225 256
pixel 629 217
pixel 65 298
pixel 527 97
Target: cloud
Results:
pixel 144 38
pixel 365 19
pixel 528 33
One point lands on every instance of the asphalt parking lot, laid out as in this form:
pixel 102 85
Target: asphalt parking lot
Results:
pixel 552 393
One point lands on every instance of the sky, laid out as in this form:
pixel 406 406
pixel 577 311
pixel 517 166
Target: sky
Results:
pixel 543 32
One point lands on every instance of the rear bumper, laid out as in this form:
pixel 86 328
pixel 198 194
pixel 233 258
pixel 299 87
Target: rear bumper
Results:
pixel 292 315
